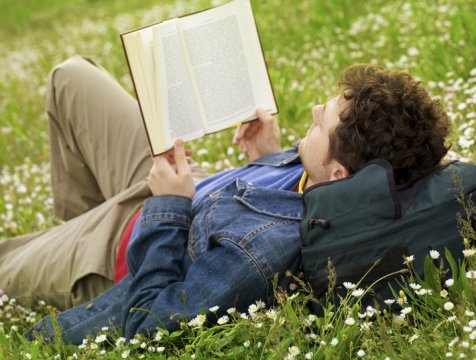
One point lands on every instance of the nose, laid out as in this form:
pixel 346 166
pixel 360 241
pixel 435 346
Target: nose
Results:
pixel 317 111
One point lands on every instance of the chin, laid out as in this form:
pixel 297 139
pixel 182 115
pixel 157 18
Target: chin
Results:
pixel 300 147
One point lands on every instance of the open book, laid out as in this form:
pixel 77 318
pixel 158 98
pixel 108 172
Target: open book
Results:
pixel 199 73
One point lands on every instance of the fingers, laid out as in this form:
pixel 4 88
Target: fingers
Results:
pixel 245 131
pixel 160 168
pixel 161 160
pixel 180 157
pixel 263 116
pixel 239 133
pixel 170 155
pixel 172 177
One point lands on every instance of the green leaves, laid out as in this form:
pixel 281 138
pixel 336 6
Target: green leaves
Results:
pixel 431 275
pixel 307 43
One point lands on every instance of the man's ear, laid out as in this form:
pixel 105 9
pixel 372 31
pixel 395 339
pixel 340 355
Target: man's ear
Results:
pixel 339 171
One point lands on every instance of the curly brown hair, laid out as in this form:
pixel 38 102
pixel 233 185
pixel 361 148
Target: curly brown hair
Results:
pixel 389 115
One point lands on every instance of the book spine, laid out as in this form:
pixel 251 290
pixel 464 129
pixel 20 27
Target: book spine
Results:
pixel 264 58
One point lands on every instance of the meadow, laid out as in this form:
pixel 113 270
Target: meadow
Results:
pixel 307 43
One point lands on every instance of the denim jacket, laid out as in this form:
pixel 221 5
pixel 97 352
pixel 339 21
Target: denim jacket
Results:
pixel 181 264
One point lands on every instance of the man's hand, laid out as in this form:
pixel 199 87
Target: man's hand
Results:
pixel 172 175
pixel 260 137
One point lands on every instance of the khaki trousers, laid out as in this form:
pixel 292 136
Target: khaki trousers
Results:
pixel 99 162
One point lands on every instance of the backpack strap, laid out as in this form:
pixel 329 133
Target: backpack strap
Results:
pixel 408 193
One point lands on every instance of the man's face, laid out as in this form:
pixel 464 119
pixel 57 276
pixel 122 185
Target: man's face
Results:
pixel 313 149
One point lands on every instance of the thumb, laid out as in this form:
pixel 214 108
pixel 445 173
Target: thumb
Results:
pixel 264 117
pixel 180 157
pixel 239 132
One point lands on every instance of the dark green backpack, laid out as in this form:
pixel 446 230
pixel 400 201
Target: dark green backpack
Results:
pixel 360 219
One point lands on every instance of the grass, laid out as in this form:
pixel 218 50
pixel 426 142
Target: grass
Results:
pixel 307 43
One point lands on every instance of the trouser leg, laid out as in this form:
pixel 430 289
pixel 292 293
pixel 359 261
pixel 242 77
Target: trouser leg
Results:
pixel 73 262
pixel 87 319
pixel 98 144
pixel 100 158
pixel 98 151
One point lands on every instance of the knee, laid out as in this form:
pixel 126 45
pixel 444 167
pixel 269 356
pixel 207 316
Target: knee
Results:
pixel 71 73
pixel 71 68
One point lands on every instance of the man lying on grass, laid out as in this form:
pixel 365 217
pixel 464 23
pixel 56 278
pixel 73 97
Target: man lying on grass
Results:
pixel 194 246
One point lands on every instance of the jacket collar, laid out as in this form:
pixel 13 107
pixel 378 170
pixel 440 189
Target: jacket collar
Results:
pixel 277 203
pixel 282 158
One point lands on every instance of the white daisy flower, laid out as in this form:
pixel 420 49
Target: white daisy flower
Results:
pixel 271 314
pixel 415 286
pixel 349 321
pixel 469 252
pixel 293 351
pixel 358 292
pixel 471 274
pixel 406 310
pixel 158 336
pixel 449 306
pixel 223 320
pixel 252 309
pixel 120 340
pixel 100 338
pixel 349 285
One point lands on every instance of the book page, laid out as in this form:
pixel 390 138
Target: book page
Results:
pixel 258 70
pixel 216 45
pixel 176 100
pixel 139 56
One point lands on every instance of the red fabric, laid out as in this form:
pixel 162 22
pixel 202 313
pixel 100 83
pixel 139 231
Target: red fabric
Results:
pixel 121 264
